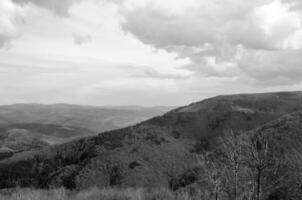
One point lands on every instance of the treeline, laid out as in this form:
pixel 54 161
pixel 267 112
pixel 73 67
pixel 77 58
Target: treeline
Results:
pixel 255 165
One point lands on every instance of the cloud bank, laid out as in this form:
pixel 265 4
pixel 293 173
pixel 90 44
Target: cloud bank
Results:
pixel 259 39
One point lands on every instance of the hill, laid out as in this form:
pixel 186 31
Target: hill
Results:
pixel 204 121
pixel 162 151
pixel 30 136
pixel 32 126
pixel 94 118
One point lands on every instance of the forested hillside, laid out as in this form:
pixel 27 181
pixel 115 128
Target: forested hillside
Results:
pixel 246 146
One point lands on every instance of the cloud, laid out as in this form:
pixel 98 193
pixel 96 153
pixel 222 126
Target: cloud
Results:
pixel 198 23
pixel 60 7
pixel 273 68
pixel 212 68
pixel 10 16
pixel 81 39
pixel 150 73
pixel 223 38
pixel 14 12
pixel 294 4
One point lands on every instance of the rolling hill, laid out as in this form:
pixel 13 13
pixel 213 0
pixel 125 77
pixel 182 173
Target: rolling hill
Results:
pixel 26 127
pixel 31 136
pixel 204 121
pixel 94 118
pixel 160 151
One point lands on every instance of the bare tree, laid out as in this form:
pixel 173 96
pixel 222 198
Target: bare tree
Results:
pixel 249 157
pixel 252 165
pixel 294 163
pixel 212 172
pixel 258 158
pixel 232 145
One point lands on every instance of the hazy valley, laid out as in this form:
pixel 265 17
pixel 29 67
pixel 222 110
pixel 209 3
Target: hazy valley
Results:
pixel 33 126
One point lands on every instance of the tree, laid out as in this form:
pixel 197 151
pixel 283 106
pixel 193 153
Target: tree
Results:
pixel 232 146
pixel 250 159
pixel 260 159
pixel 255 165
pixel 212 172
pixel 294 163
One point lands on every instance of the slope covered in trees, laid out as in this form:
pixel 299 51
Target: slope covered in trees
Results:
pixel 227 147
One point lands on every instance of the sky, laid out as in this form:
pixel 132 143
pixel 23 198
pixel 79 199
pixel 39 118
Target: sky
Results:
pixel 147 52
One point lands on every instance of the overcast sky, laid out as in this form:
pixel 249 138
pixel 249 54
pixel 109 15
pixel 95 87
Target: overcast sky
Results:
pixel 147 52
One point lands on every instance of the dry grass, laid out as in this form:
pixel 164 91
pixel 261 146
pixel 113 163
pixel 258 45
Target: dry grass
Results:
pixel 92 194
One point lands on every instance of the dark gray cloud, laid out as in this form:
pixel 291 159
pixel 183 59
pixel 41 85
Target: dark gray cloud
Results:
pixel 81 39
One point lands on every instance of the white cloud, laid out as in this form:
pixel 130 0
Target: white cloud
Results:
pixel 221 37
pixel 10 16
pixel 14 12
pixel 195 24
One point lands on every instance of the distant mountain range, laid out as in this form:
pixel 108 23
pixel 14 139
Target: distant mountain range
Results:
pixel 160 151
pixel 32 126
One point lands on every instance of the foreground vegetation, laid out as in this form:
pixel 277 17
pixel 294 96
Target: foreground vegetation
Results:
pixel 94 194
